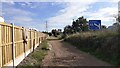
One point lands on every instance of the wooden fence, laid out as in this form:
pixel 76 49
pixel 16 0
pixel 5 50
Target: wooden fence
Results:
pixel 12 44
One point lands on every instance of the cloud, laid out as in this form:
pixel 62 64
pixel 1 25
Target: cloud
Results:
pixel 17 16
pixel 59 0
pixel 27 22
pixel 25 19
pixel 73 10
pixel 22 4
pixel 21 17
pixel 10 2
pixel 0 9
pixel 106 14
pixel 27 4
pixel 11 11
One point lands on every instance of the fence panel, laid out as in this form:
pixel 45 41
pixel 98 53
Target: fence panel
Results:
pixel 18 38
pixel 6 34
pixel 7 41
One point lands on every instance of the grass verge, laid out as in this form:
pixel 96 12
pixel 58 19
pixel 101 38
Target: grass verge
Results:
pixel 101 44
pixel 35 58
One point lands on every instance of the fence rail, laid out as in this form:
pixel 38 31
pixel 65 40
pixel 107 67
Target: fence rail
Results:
pixel 12 43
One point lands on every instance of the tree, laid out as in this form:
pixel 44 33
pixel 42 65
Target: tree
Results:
pixel 50 34
pixel 54 32
pixel 103 27
pixel 80 24
pixel 118 17
pixel 118 37
pixel 77 26
pixel 68 29
pixel 59 30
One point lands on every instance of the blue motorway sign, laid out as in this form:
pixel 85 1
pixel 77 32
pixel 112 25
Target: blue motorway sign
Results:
pixel 94 24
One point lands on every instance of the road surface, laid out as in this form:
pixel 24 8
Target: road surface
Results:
pixel 64 54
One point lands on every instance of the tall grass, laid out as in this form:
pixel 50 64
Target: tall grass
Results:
pixel 34 59
pixel 103 44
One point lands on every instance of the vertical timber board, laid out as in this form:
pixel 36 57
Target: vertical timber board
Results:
pixel 30 39
pixel 13 45
pixel 5 46
pixel 0 48
pixel 34 36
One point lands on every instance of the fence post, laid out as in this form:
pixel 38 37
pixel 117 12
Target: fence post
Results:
pixel 13 46
pixel 30 40
pixel 0 48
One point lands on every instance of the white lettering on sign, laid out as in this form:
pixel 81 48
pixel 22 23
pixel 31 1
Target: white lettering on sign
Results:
pixel 97 25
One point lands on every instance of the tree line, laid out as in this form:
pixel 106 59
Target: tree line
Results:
pixel 79 25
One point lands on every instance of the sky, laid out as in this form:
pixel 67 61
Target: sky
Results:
pixel 57 13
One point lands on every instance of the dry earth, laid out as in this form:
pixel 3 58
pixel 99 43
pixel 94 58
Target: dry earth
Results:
pixel 64 54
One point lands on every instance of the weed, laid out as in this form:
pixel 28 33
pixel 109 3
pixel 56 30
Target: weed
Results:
pixel 103 44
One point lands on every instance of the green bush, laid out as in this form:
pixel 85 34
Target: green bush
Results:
pixel 39 55
pixel 103 44
pixel 44 45
pixel 34 59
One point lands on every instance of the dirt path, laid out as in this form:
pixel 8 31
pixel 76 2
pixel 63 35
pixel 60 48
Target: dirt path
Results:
pixel 63 54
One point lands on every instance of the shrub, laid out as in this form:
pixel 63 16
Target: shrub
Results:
pixel 103 44
pixel 44 45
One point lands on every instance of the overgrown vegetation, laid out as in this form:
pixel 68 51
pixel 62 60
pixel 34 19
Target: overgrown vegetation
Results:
pixel 103 44
pixel 39 54
pixel 44 45
pixel 35 58
pixel 79 25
